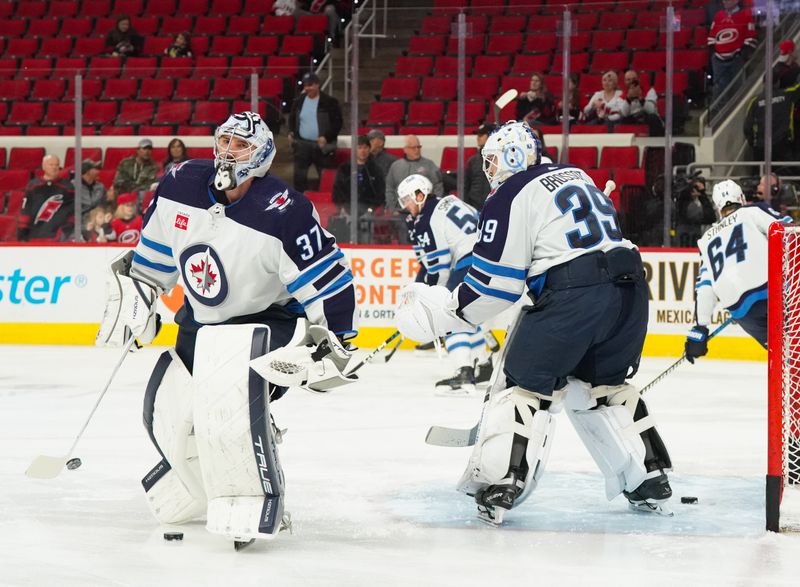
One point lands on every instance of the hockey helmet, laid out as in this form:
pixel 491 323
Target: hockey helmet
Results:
pixel 412 185
pixel 510 149
pixel 727 193
pixel 233 167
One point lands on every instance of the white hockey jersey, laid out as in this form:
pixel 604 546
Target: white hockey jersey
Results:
pixel 444 233
pixel 239 259
pixel 733 270
pixel 537 219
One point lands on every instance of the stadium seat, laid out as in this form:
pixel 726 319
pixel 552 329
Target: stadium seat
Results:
pixel 90 88
pixel 47 89
pixel 449 162
pixel 385 113
pixel 599 176
pixel 112 158
pixel 155 46
pixel 89 47
pixel 277 25
pixel 682 39
pixel 428 45
pixel 507 45
pixel 414 66
pixel 430 130
pixel 214 25
pixel 480 88
pixel 474 113
pixel 424 112
pixel 25 113
pixel 613 60
pixel 240 25
pixel 174 113
pixel 613 20
pixel 583 157
pixel 540 43
pixel 27 158
pixel 607 40
pixel 8 228
pixel 494 7
pixel 508 23
pixel 35 67
pixel 585 21
pixel 16 197
pixel 104 67
pixel 641 39
pixel 69 67
pixel 297 45
pixel 59 114
pixel 650 60
pixel 259 45
pixel 588 129
pixel 624 177
pixel 545 23
pixel 12 28
pixel 22 47
pixel 326 180
pixel 93 153
pixel 14 89
pixel 140 67
pixel 436 25
pixel 167 7
pixel 120 89
pixel 226 46
pixel 171 25
pixel 95 8
pixel 77 27
pixel 56 47
pixel 129 7
pixel 473 45
pixel 619 157
pixel 229 89
pixel 206 112
pixel 135 113
pixel 190 130
pixel 16 179
pixel 580 41
pixel 156 89
pixel 680 82
pixel 692 59
pixel 245 66
pixel 282 66
pixel 578 62
pixel 399 88
pixel 314 24
pixel 528 64
pixel 192 89
pixel 447 66
pixel 491 65
pixel 99 112
pixel 149 25
pixel 183 67
pixel 102 26
pixel 640 130
pixel 439 88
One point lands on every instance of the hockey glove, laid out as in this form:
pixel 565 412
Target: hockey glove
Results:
pixel 696 343
pixel 424 313
pixel 130 307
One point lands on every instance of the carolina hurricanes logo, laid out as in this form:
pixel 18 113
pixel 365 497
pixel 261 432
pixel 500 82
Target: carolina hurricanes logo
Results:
pixel 727 36
pixel 279 201
pixel 49 208
pixel 129 236
pixel 203 275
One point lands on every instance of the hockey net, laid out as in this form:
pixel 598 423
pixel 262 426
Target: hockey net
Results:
pixel 783 408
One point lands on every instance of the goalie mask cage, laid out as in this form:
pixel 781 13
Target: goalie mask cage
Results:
pixel 783 404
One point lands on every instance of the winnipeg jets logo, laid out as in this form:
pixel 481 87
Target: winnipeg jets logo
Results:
pixel 176 167
pixel 203 275
pixel 279 201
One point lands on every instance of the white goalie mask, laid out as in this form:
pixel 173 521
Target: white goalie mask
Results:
pixel 510 149
pixel 727 193
pixel 233 164
pixel 409 188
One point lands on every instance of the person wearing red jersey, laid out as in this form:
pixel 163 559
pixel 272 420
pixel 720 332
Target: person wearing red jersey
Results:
pixel 732 33
pixel 48 211
pixel 127 223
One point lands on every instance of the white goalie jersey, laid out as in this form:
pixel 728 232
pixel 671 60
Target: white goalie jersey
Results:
pixel 444 233
pixel 733 270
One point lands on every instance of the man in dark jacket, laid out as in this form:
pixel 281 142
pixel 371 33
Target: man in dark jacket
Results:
pixel 476 186
pixel 371 185
pixel 48 211
pixel 695 214
pixel 314 124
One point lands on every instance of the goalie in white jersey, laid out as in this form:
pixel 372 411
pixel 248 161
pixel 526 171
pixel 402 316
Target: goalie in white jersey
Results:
pixel 256 267
pixel 443 232
pixel 733 272
pixel 549 230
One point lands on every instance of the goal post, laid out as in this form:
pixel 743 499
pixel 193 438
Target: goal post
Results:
pixel 783 402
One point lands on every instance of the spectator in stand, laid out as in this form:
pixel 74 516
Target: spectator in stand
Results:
pixel 607 106
pixel 476 186
pixel 176 153
pixel 97 226
pixel 48 210
pixel 695 214
pixel 786 72
pixel 181 46
pixel 127 222
pixel 137 172
pixel 371 185
pixel 412 162
pixel 92 193
pixel 784 134
pixel 732 36
pixel 537 105
pixel 123 40
pixel 642 104
pixel 576 104
pixel 314 124
pixel 308 7
pixel 382 159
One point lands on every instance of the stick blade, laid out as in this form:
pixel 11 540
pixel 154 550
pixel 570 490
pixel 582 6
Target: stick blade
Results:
pixel 45 467
pixel 457 437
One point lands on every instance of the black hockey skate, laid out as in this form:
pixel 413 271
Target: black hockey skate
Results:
pixel 494 501
pixel 462 384
pixel 483 372
pixel 651 495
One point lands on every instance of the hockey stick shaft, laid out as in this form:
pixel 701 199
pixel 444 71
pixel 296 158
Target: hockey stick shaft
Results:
pixel 374 353
pixel 391 353
pixel 680 361
pixel 45 467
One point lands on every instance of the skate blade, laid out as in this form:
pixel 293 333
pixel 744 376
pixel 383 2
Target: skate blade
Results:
pixel 651 508
pixel 242 544
pixel 493 519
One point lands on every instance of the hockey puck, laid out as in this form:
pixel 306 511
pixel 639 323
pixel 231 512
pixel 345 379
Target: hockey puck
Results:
pixel 73 464
pixel 688 499
pixel 169 536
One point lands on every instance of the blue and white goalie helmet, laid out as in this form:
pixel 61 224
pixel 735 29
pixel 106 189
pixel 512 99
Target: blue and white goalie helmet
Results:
pixel 409 188
pixel 235 161
pixel 727 193
pixel 510 149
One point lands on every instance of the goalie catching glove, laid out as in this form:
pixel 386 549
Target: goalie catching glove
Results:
pixel 316 361
pixel 427 312
pixel 130 307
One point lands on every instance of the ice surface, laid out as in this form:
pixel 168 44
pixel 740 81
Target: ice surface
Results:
pixel 372 503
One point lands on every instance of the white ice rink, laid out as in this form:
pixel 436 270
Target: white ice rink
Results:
pixel 372 503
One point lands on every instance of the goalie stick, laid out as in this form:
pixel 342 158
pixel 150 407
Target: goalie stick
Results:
pixel 47 467
pixel 391 353
pixel 502 102
pixel 372 355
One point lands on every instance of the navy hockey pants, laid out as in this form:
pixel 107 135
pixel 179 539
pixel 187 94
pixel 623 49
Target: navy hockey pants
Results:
pixel 754 322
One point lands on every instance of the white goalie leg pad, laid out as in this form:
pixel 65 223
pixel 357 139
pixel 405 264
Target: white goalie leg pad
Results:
pixel 173 488
pixel 609 432
pixel 509 412
pixel 238 455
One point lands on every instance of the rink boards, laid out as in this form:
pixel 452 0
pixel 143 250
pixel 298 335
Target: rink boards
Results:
pixel 56 294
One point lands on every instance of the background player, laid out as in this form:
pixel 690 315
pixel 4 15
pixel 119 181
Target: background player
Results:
pixel 733 271
pixel 444 231
pixel 253 261
pixel 548 229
